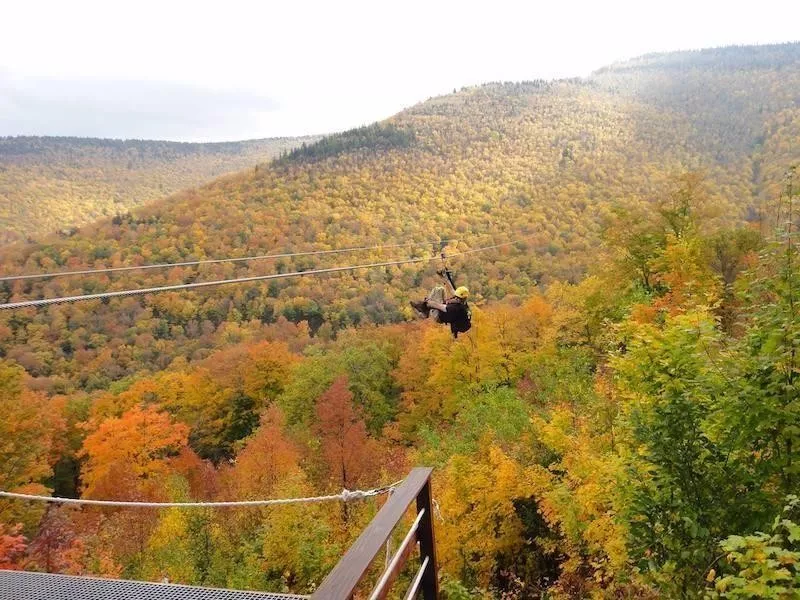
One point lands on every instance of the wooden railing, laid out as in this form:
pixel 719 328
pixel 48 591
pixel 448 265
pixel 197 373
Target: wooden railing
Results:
pixel 341 582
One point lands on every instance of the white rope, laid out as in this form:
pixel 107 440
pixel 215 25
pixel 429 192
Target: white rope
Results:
pixel 218 260
pixel 345 496
pixel 202 284
pixel 436 510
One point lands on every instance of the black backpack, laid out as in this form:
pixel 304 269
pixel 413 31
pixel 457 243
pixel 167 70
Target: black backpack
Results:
pixel 462 326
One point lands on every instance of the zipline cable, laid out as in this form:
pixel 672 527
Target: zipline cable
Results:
pixel 345 496
pixel 203 284
pixel 211 261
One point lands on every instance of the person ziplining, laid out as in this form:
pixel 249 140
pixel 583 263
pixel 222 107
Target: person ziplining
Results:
pixel 446 304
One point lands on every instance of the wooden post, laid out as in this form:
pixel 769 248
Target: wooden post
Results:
pixel 427 545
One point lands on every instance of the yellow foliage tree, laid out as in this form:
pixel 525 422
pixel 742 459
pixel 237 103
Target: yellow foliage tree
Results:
pixel 478 521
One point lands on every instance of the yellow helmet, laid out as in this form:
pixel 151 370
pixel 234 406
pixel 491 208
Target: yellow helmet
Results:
pixel 462 293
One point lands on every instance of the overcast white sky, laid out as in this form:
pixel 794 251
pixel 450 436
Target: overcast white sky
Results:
pixel 232 69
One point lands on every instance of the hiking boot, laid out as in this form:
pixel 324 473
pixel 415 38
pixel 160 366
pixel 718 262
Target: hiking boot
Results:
pixel 421 307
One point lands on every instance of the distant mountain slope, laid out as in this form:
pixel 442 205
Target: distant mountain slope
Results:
pixel 740 102
pixel 551 162
pixel 55 183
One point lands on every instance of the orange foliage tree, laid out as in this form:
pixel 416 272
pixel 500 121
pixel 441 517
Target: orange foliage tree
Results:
pixel 127 456
pixel 266 459
pixel 12 546
pixel 349 454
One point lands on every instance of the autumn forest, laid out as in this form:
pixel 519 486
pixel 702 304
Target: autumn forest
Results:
pixel 59 184
pixel 622 420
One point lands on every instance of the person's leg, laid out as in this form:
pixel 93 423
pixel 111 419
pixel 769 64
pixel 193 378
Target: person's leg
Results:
pixel 437 295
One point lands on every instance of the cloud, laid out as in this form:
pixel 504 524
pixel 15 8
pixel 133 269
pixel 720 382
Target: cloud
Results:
pixel 127 109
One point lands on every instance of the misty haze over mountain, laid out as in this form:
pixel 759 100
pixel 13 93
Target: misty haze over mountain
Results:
pixel 125 109
pixel 191 72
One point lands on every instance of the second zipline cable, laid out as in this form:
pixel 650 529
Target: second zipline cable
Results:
pixel 213 261
pixel 204 284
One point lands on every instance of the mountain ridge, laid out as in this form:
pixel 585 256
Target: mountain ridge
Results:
pixel 60 182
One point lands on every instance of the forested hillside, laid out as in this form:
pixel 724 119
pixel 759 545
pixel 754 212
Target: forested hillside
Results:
pixel 621 422
pixel 50 184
